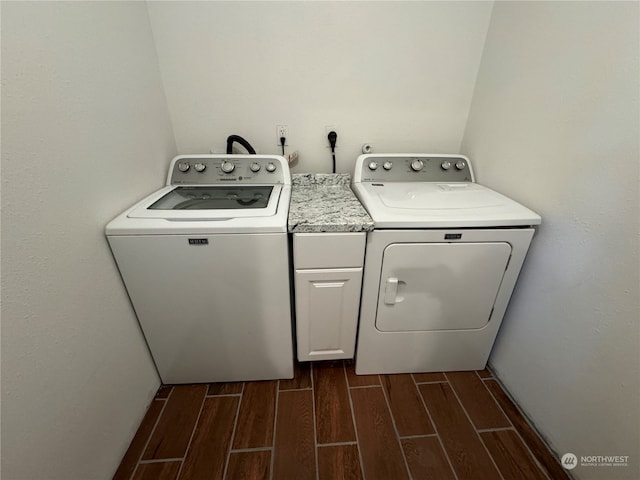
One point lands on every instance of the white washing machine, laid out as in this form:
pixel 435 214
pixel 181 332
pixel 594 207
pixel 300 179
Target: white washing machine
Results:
pixel 205 261
pixel 440 265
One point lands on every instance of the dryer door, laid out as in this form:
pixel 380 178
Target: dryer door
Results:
pixel 439 286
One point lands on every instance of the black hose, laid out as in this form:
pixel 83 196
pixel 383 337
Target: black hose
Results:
pixel 237 138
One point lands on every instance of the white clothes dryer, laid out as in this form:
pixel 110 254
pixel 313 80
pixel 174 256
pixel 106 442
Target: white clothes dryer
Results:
pixel 440 265
pixel 205 261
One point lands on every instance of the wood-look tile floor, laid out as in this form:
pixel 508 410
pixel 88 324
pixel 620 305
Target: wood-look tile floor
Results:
pixel 328 423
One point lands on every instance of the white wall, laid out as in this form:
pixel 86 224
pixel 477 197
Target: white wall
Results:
pixel 85 132
pixel 555 124
pixel 399 75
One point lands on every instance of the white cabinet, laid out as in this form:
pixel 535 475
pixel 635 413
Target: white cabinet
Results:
pixel 328 280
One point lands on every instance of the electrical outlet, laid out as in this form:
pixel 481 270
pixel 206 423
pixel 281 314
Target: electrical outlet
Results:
pixel 330 128
pixel 282 131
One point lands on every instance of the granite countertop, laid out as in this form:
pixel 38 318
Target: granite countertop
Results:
pixel 324 202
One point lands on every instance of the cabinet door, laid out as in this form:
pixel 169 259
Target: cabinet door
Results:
pixel 327 305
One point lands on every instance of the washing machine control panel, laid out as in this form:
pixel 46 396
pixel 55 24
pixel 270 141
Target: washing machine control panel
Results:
pixel 414 168
pixel 215 169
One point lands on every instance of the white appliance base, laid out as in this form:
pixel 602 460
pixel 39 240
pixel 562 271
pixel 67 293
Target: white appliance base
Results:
pixel 214 312
pixel 463 346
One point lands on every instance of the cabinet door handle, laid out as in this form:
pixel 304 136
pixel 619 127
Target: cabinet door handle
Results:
pixel 391 291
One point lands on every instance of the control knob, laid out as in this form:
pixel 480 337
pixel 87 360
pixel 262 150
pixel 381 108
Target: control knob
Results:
pixel 387 165
pixel 460 164
pixel 227 167
pixel 199 167
pixel 417 165
pixel 255 167
pixel 183 167
pixel 373 165
pixel 271 167
pixel 446 165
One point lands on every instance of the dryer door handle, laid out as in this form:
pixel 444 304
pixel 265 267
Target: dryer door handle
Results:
pixel 391 291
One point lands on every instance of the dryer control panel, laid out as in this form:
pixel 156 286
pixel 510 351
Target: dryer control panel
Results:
pixel 413 168
pixel 216 169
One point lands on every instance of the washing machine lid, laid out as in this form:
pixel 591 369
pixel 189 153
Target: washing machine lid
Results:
pixel 200 217
pixel 440 205
pixel 209 202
